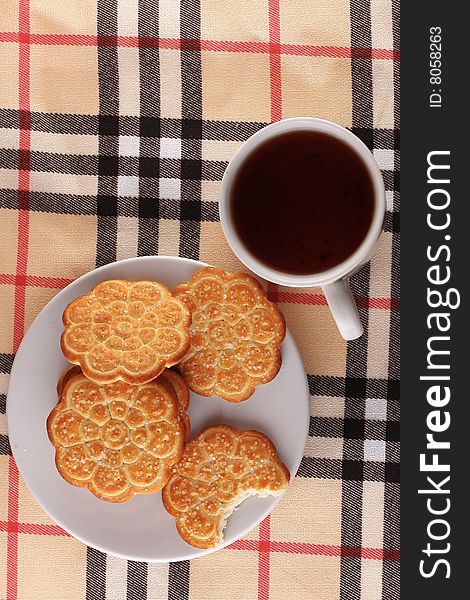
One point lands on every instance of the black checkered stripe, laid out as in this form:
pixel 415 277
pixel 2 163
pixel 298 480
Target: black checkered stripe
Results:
pixel 355 426
pixel 347 428
pixel 149 167
pixel 354 429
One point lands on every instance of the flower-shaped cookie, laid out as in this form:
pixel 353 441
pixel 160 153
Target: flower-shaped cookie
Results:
pixel 116 440
pixel 219 469
pixel 125 331
pixel 236 334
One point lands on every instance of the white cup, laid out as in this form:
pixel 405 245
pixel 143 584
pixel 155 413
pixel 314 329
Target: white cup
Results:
pixel 334 281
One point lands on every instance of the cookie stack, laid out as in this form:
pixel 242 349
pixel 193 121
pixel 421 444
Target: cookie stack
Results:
pixel 121 425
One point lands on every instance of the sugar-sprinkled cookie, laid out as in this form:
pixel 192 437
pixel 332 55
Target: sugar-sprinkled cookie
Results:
pixel 236 334
pixel 116 440
pixel 219 469
pixel 125 331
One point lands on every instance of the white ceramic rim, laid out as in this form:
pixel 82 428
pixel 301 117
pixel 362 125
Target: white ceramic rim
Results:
pixel 363 252
pixel 191 552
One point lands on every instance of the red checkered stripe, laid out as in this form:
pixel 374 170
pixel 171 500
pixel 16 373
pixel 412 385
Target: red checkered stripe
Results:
pixel 21 270
pixel 272 48
pixel 274 294
pixel 260 545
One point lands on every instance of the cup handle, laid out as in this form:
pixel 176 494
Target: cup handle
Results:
pixel 344 309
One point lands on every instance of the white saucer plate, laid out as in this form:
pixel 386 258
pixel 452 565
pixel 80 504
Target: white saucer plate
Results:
pixel 139 529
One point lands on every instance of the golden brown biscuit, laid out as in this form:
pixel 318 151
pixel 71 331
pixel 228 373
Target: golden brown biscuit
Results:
pixel 65 377
pixel 236 334
pixel 219 469
pixel 116 440
pixel 182 392
pixel 125 331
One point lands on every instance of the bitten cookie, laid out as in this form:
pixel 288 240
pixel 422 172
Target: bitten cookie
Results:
pixel 219 469
pixel 125 331
pixel 236 334
pixel 116 440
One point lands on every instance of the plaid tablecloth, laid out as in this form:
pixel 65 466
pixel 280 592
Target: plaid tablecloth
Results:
pixel 117 120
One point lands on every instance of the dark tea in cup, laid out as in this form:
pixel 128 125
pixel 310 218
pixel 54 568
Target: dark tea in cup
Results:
pixel 302 202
